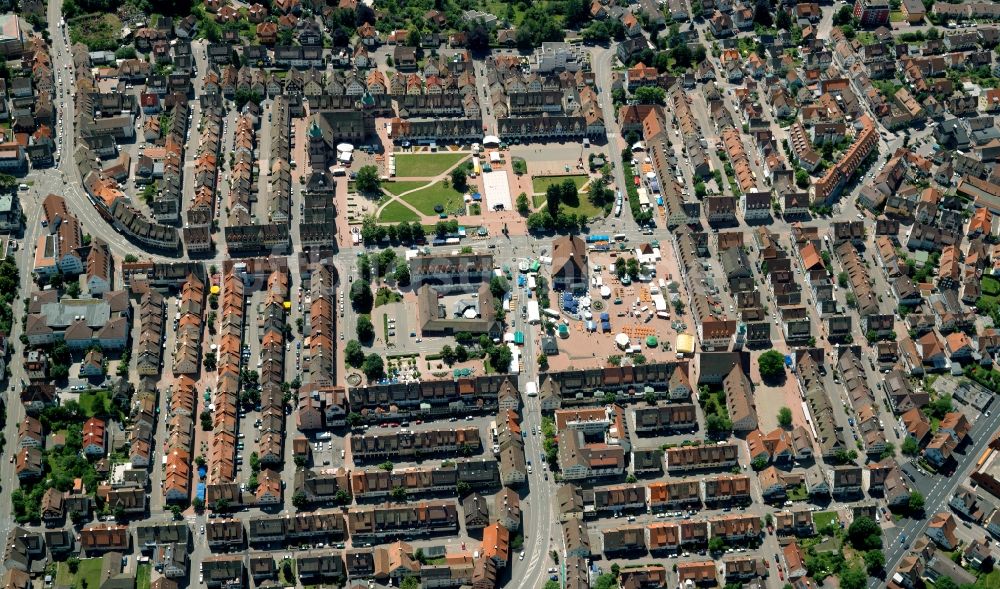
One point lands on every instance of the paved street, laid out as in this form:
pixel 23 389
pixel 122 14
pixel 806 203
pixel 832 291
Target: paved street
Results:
pixel 937 491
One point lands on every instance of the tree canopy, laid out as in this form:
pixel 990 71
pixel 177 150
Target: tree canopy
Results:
pixel 771 364
pixel 865 534
pixel 367 179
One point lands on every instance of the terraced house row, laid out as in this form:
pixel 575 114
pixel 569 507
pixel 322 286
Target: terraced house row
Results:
pixel 323 486
pixel 242 174
pixel 321 404
pixel 198 218
pixel 408 443
pixel 225 418
pixel 272 374
pixel 434 398
pixel 628 383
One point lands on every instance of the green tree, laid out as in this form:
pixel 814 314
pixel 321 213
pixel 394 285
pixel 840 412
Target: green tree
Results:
pixel 865 534
pixel 447 355
pixel 523 206
pixel 459 179
pixel 916 502
pixel 373 367
pixel 402 275
pixel 874 561
pixel 717 424
pixel 939 407
pixel 361 296
pixel 785 417
pixel 771 364
pixel 553 196
pixel 410 583
pixel 632 268
pixel 889 451
pixel 910 446
pixel 853 578
pixel 630 478
pixel 842 279
pixel 568 193
pixel 365 329
pixel 499 286
pixel 386 466
pixel 844 15
pixel 461 353
pixel 801 178
pixel 500 357
pixel 783 20
pixel 462 488
pixel 355 419
pixel 353 354
pixel 367 179
pixel 716 545
pixel 398 493
pixel 650 95
pixel 299 499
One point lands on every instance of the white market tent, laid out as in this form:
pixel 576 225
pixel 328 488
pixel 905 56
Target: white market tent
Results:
pixel 497 190
pixel 622 340
pixel 491 140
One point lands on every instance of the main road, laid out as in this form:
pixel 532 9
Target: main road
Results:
pixel 937 491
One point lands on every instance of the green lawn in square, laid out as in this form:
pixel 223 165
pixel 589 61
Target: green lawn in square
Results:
pixel 397 212
pixel 89 570
pixel 425 199
pixel 426 165
pixel 897 16
pixel 398 188
pixel 824 518
pixel 585 207
pixel 542 183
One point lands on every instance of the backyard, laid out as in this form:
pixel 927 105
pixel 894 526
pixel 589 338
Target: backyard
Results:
pixel 99 403
pixel 425 199
pixel 542 183
pixel 413 165
pixel 142 573
pixel 88 574
pixel 99 32
pixel 824 518
pixel 397 212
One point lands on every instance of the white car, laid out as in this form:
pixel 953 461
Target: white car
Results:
pixel 522 555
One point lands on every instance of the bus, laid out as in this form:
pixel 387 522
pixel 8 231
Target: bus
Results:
pixel 620 237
